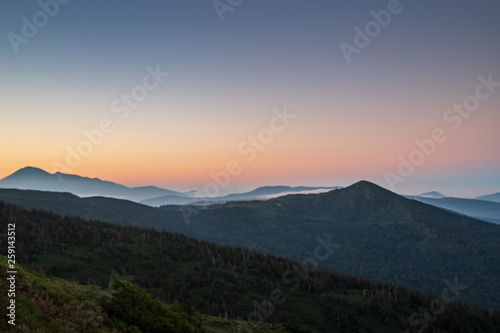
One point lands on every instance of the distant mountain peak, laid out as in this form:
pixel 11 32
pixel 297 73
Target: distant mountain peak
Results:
pixel 30 169
pixel 28 172
pixel 432 194
pixel 31 178
pixel 490 197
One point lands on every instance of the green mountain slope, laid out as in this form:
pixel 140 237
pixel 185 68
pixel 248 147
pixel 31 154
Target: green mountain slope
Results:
pixel 373 233
pixel 218 281
pixel 378 235
pixel 59 305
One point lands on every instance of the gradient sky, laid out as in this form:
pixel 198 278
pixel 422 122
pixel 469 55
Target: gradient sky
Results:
pixel 352 120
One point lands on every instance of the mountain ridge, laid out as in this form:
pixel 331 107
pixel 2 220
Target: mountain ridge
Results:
pixel 31 178
pixel 495 197
pixel 260 193
pixel 481 209
pixel 382 235
pixel 220 281
pixel 432 194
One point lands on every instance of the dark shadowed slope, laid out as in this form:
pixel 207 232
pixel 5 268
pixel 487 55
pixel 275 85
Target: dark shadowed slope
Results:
pixel 372 233
pixel 217 280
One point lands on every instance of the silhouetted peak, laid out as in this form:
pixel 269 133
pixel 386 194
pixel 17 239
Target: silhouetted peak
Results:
pixel 432 194
pixel 366 185
pixel 369 190
pixel 30 171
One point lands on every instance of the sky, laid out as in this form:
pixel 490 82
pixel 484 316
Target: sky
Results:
pixel 240 94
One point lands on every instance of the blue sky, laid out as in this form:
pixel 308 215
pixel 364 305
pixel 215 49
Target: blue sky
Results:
pixel 353 120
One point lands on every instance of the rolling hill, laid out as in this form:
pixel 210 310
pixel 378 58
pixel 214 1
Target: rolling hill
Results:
pixel 372 232
pixel 259 193
pixel 215 282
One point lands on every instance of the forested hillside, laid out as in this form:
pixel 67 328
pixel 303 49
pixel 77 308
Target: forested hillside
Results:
pixel 229 282
pixel 376 234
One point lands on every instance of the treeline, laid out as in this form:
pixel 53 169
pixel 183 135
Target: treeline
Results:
pixel 383 236
pixel 231 282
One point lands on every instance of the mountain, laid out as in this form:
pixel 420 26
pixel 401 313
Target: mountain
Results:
pixel 265 192
pixel 367 231
pixel 432 194
pixel 484 210
pixel 30 178
pixel 491 197
pixel 113 210
pixel 99 277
